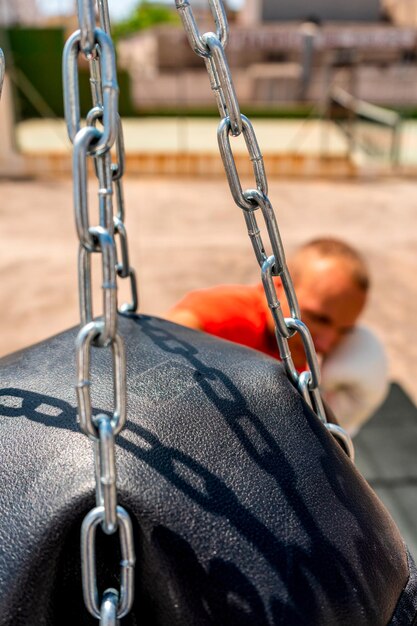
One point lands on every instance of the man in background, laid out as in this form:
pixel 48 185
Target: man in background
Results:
pixel 331 281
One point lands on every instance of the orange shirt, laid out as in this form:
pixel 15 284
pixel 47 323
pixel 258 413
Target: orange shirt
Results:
pixel 238 313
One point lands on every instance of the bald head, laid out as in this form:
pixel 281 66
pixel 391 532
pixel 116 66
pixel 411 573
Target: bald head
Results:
pixel 329 252
pixel 331 281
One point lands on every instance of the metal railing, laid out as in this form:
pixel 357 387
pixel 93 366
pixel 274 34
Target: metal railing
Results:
pixel 358 119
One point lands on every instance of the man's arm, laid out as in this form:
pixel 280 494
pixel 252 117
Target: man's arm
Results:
pixel 185 317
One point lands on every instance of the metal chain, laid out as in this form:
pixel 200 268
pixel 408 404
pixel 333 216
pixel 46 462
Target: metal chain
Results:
pixel 89 141
pixel 211 47
pixel 2 69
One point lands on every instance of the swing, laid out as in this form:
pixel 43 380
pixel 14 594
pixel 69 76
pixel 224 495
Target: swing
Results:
pixel 234 503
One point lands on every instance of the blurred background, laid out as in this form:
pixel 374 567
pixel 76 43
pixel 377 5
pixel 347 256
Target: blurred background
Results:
pixel 331 89
pixel 349 72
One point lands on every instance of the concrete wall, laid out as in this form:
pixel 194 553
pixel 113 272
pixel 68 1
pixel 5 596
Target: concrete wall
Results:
pixel 353 10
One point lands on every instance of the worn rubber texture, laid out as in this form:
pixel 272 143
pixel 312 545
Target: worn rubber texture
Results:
pixel 245 511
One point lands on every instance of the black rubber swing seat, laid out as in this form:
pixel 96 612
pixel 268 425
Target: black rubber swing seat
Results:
pixel 245 510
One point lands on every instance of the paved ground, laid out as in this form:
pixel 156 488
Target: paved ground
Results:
pixel 182 134
pixel 386 455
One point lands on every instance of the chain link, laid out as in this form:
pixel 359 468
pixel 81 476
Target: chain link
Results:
pixel 211 47
pixel 106 495
pixel 108 612
pixel 107 250
pixel 219 73
pixel 88 556
pixel 90 141
pixel 194 37
pixel 255 155
pixel 84 342
pixel 105 89
pixel 2 70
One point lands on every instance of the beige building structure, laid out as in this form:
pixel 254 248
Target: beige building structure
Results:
pixel 276 64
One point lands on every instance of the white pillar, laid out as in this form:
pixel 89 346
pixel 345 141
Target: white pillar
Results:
pixel 11 163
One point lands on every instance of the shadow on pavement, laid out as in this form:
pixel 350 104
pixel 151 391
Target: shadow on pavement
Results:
pixel 386 450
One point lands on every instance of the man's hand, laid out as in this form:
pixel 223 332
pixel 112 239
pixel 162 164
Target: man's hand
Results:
pixel 354 378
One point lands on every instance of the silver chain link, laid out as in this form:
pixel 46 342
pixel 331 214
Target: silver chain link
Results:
pixel 90 141
pixel 2 70
pixel 211 47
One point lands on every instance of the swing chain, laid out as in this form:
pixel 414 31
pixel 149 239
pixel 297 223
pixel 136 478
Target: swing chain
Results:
pixel 2 70
pixel 211 47
pixel 194 37
pixel 90 141
pixel 104 89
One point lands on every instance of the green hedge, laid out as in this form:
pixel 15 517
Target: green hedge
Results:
pixel 37 55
